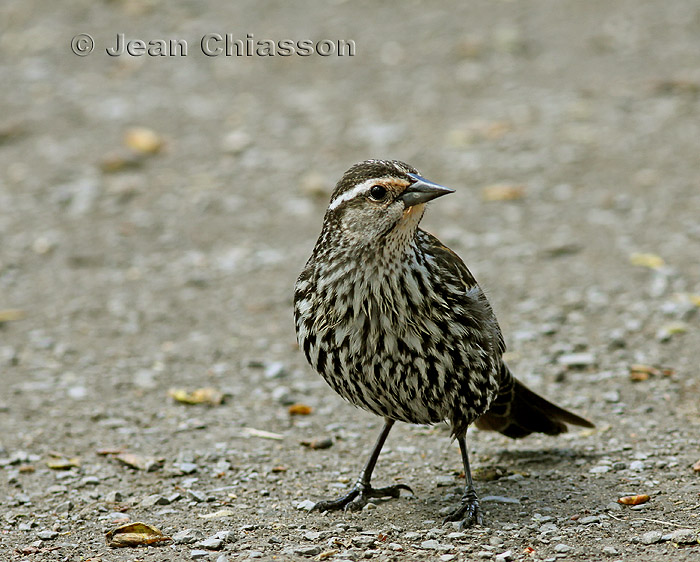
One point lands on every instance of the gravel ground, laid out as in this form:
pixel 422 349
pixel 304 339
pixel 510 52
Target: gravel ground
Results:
pixel 134 262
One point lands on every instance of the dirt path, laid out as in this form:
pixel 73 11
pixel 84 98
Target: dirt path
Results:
pixel 126 273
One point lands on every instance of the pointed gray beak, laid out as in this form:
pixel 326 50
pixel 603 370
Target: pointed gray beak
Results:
pixel 422 191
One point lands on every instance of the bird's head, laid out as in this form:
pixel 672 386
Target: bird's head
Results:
pixel 379 198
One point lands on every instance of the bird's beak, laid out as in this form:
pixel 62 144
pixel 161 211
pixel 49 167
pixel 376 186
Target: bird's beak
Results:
pixel 422 191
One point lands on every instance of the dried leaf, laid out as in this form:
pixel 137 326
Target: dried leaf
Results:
pixel 640 372
pixel 652 261
pixel 143 140
pixel 217 514
pixel 135 534
pixel 11 314
pixel 208 395
pixel 673 328
pixel 633 500
pixel 277 469
pixel 696 467
pixel 59 462
pixel 149 464
pixel 324 443
pixel 502 192
pixel 108 451
pixel 300 410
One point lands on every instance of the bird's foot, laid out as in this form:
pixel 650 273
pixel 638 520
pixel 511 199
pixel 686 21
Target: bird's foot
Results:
pixel 469 513
pixel 358 497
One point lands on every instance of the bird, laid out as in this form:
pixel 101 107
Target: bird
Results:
pixel 397 325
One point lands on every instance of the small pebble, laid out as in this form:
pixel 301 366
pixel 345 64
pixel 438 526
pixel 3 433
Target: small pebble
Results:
pixel 576 359
pixel 484 554
pixel 197 496
pixel 444 480
pixel 311 550
pixel 505 556
pixel 47 535
pixel 212 543
pixel 154 499
pixel 186 467
pixel 588 520
pixel 447 557
pixel 561 547
pixel 602 469
pixel 610 550
pixel 684 536
pixel 431 544
pixel 64 507
pixel 312 535
pixel 226 536
pixel 114 497
pixel 500 499
pixel 187 536
pixel 198 554
pixel 637 466
pixel 651 537
pixel 306 505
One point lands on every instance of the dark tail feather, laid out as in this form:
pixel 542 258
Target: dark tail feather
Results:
pixel 517 412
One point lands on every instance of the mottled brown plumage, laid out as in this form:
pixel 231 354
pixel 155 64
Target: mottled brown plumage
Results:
pixel 396 324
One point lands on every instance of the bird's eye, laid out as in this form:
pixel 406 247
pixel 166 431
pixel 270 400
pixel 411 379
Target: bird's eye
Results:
pixel 377 192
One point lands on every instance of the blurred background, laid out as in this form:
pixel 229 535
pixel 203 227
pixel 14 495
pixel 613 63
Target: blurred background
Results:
pixel 155 210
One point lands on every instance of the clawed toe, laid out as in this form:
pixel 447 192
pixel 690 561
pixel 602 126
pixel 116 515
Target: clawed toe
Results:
pixel 469 513
pixel 359 496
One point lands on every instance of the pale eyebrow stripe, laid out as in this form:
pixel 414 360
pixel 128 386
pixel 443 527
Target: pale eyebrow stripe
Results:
pixel 354 192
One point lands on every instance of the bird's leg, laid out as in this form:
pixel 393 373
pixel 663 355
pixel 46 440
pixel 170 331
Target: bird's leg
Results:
pixel 362 491
pixel 469 513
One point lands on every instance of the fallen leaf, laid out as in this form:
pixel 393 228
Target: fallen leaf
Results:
pixel 108 451
pixel 633 500
pixel 652 261
pixel 135 534
pixel 300 410
pixel 324 443
pixel 502 192
pixel 217 514
pixel 11 314
pixel 640 372
pixel 696 467
pixel 59 462
pixel 278 469
pixel 208 395
pixel 142 139
pixel 149 464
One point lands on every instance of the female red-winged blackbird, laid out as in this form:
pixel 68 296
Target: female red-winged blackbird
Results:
pixel 396 324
